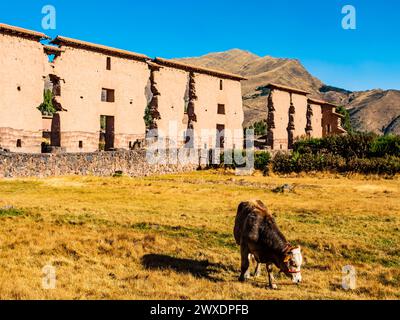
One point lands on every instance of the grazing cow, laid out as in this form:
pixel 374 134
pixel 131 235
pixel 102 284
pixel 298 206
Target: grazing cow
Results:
pixel 257 234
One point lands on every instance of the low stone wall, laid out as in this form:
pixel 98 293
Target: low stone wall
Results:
pixel 131 163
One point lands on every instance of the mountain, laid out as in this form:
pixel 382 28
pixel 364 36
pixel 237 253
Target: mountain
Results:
pixel 374 110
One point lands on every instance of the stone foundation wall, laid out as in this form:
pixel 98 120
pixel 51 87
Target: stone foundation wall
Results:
pixel 131 163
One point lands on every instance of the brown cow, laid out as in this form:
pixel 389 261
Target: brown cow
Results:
pixel 257 234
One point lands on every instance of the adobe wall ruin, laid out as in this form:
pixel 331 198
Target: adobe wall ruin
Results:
pixel 91 81
pixel 83 76
pixel 22 66
pixel 292 115
pixel 191 100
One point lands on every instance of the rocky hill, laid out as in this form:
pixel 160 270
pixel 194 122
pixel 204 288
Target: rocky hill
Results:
pixel 375 110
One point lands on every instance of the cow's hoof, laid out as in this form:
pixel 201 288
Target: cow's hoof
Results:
pixel 273 287
pixel 242 279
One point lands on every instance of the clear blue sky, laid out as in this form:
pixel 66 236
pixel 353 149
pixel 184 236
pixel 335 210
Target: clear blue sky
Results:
pixel 365 58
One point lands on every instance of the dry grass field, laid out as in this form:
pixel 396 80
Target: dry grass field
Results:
pixel 170 237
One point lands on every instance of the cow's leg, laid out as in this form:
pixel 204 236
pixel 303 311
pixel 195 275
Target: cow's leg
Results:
pixel 257 272
pixel 271 279
pixel 247 274
pixel 244 252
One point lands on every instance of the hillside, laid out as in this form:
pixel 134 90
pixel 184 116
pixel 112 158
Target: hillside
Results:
pixel 374 110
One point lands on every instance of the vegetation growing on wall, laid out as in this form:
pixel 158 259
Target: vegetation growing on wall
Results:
pixel 47 108
pixel 148 119
pixel 260 128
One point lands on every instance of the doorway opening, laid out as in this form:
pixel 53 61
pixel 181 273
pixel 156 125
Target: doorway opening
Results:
pixel 106 140
pixel 220 136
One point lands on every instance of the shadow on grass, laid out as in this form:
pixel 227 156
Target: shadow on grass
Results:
pixel 199 269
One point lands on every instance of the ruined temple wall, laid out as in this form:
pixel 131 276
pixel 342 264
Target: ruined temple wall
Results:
pixel 300 119
pixel 209 96
pixel 173 87
pixel 332 120
pixel 22 68
pixel 316 120
pixel 83 75
pixel 281 101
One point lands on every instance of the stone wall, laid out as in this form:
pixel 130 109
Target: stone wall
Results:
pixel 131 163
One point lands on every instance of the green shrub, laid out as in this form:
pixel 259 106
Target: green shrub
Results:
pixel 284 163
pixel 261 159
pixel 347 146
pixel 385 145
pixel 227 158
pixel 356 152
pixel 308 162
pixel 387 165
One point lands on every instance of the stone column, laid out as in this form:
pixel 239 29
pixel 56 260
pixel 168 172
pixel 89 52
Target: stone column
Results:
pixel 309 116
pixel 270 121
pixel 153 106
pixel 291 125
pixel 191 109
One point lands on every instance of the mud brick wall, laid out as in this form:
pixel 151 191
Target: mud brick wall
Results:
pixel 131 163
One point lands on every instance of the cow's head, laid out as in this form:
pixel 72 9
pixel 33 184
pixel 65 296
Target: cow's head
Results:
pixel 292 262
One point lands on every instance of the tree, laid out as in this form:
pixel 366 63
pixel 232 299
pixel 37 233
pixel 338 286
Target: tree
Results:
pixel 346 123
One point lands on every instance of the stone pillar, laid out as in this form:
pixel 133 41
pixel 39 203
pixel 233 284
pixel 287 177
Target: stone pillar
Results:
pixel 291 125
pixel 270 121
pixel 153 106
pixel 309 116
pixel 191 109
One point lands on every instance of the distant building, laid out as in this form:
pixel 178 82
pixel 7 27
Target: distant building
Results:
pixel 102 95
pixel 292 115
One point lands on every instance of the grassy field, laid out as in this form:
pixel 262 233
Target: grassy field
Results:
pixel 170 237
